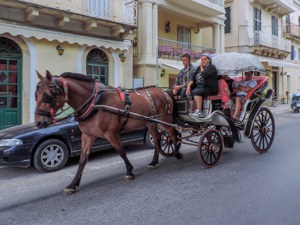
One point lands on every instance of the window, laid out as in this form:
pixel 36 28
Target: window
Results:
pixel 274 26
pixel 298 20
pixel 298 54
pixel 98 9
pixel 288 24
pixel 97 65
pixel 257 19
pixel 227 20
pixel 292 52
pixel 184 34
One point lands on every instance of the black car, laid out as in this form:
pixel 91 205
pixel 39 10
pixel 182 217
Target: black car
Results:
pixel 49 149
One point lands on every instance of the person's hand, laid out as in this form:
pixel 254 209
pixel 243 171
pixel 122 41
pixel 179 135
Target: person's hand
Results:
pixel 174 91
pixel 202 67
pixel 177 87
pixel 188 91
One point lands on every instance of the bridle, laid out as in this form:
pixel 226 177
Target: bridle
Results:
pixel 55 90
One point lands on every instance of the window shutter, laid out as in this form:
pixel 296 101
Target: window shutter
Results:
pixel 293 53
pixel 228 20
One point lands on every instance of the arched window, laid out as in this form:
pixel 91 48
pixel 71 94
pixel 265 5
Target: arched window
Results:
pixel 97 65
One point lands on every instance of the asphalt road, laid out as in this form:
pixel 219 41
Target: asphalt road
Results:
pixel 245 188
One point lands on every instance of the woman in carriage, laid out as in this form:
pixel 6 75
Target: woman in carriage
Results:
pixel 204 83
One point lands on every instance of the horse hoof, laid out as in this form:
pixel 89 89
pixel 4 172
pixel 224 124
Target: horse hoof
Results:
pixel 69 191
pixel 151 167
pixel 179 156
pixel 129 177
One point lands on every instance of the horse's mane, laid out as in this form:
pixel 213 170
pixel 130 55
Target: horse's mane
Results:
pixel 77 76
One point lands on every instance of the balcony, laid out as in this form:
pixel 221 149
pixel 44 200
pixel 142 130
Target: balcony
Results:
pixel 279 7
pixel 206 7
pixel 292 32
pixel 173 50
pixel 119 11
pixel 271 41
pixel 269 45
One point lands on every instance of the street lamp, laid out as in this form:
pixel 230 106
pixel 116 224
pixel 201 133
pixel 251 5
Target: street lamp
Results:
pixel 60 49
pixel 122 56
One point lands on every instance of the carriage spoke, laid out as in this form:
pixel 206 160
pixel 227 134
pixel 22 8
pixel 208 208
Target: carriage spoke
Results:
pixel 169 149
pixel 172 146
pixel 207 156
pixel 214 155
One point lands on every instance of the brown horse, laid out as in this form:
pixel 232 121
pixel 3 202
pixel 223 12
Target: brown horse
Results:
pixel 82 93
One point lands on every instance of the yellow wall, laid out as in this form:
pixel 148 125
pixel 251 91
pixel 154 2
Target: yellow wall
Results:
pixel 201 39
pixel 48 59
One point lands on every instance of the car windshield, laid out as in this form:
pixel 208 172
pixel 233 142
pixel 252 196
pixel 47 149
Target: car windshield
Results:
pixel 67 110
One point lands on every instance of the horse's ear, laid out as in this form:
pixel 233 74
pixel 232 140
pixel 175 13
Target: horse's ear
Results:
pixel 48 75
pixel 39 75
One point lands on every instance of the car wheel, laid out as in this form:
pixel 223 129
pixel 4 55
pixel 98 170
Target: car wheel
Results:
pixel 51 155
pixel 149 140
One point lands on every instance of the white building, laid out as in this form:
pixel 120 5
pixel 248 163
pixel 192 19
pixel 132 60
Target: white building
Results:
pixel 256 27
pixel 291 31
pixel 169 28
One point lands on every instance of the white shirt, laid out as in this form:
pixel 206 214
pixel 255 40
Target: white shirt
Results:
pixel 246 83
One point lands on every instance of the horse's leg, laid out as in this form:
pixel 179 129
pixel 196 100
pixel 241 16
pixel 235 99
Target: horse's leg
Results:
pixel 87 142
pixel 173 134
pixel 116 142
pixel 156 138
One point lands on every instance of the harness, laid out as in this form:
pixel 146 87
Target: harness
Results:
pixel 87 109
pixel 126 100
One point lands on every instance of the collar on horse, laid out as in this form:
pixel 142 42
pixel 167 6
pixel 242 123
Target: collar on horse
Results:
pixel 87 109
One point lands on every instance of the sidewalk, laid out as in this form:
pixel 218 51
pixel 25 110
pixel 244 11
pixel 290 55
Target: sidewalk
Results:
pixel 280 108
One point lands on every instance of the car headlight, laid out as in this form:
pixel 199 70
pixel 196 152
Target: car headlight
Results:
pixel 10 142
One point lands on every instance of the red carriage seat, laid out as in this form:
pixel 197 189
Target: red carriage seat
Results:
pixel 260 80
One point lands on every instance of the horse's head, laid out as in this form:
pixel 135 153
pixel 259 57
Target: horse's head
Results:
pixel 51 95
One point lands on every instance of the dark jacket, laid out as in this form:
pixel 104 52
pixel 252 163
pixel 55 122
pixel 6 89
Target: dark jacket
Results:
pixel 185 75
pixel 210 76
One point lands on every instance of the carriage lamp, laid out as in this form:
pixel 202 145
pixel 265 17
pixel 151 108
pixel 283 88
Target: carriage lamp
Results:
pixel 163 72
pixel 60 49
pixel 122 56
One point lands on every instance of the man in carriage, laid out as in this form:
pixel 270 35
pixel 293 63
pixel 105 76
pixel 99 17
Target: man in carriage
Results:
pixel 184 77
pixel 241 90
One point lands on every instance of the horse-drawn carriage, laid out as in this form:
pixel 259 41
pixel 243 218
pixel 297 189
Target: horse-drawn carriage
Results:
pixel 216 130
pixel 103 111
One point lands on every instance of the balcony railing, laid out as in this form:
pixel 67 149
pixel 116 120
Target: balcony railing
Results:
pixel 268 40
pixel 120 11
pixel 173 50
pixel 292 29
pixel 218 2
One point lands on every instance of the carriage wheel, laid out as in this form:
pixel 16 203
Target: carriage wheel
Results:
pixel 167 144
pixel 210 147
pixel 263 130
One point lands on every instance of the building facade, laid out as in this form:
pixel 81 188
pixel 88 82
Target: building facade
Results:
pixel 95 36
pixel 169 28
pixel 257 27
pixel 291 31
